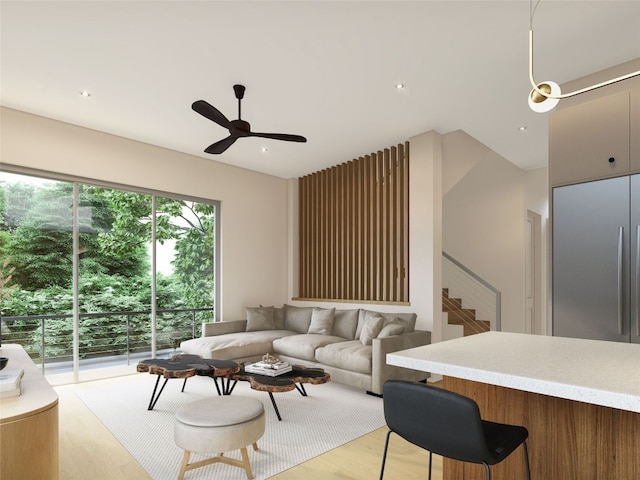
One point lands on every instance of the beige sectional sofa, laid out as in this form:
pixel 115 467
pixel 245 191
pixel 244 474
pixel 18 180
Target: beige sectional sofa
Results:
pixel 350 344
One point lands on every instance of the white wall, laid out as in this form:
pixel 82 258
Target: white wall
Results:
pixel 484 219
pixel 253 206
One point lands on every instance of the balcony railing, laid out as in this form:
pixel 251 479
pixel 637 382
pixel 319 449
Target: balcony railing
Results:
pixel 48 339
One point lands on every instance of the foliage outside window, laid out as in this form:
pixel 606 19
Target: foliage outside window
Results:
pixel 115 229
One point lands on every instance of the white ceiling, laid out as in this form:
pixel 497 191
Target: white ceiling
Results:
pixel 325 70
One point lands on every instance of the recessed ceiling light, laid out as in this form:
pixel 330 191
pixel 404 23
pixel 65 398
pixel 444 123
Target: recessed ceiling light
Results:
pixel 264 149
pixel 522 128
pixel 400 86
pixel 85 93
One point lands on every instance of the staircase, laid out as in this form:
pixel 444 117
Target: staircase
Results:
pixel 466 317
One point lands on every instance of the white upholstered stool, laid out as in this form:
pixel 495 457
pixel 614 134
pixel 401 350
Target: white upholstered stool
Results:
pixel 218 425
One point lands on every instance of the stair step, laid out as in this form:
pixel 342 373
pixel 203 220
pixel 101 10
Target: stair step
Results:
pixel 451 303
pixel 479 326
pixel 457 317
pixel 466 317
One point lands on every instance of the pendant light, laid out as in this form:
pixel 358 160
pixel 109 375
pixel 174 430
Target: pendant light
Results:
pixel 545 95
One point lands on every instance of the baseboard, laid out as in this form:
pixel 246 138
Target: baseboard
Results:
pixel 374 394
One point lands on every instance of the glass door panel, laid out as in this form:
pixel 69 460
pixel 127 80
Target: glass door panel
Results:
pixel 114 276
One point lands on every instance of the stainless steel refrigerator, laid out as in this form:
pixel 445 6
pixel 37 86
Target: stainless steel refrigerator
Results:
pixel 596 260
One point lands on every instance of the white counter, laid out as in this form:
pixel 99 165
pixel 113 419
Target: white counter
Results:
pixel 29 436
pixel 590 371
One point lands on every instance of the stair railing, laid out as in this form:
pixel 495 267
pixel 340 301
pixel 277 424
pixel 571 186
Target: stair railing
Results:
pixel 464 283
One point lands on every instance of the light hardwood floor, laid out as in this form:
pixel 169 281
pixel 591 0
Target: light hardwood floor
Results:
pixel 88 450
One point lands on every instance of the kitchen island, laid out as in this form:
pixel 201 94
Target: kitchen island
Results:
pixel 579 399
pixel 28 424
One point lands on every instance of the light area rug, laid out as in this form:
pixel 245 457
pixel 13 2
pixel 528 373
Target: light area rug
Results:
pixel 331 415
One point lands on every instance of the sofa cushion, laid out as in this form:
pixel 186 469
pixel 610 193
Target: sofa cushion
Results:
pixel 394 327
pixel 345 323
pixel 351 355
pixel 371 327
pixel 260 318
pixel 278 317
pixel 233 345
pixel 322 321
pixel 408 319
pixel 297 319
pixel 303 346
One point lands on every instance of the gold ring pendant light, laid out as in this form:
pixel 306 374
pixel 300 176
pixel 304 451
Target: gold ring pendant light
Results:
pixel 546 95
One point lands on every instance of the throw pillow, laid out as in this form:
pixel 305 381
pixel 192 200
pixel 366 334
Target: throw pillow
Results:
pixel 278 316
pixel 322 321
pixel 371 327
pixel 394 327
pixel 260 318
pixel 297 319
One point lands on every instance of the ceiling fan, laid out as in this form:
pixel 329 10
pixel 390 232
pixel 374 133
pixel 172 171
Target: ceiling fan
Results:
pixel 237 128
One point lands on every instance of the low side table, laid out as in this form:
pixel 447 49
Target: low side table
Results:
pixel 186 366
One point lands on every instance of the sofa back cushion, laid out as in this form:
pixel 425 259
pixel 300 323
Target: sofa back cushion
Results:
pixel 297 319
pixel 322 321
pixel 373 322
pixel 278 317
pixel 345 323
pixel 260 318
pixel 407 319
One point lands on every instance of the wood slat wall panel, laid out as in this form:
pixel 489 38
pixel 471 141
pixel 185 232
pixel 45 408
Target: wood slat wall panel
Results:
pixel 353 229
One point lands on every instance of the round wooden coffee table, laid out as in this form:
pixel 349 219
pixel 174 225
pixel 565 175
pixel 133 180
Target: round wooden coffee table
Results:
pixel 186 366
pixel 295 379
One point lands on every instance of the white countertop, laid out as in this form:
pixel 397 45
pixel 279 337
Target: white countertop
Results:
pixel 36 393
pixel 589 371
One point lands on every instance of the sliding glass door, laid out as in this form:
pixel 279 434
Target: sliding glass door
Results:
pixel 102 276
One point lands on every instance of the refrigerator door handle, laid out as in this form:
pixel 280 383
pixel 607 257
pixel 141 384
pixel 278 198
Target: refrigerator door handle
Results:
pixel 637 280
pixel 620 279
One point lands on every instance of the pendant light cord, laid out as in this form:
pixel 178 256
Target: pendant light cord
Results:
pixel 532 11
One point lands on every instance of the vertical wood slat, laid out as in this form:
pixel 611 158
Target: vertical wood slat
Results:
pixel 387 225
pixel 403 246
pixel 393 213
pixel 353 229
pixel 317 279
pixel 375 253
pixel 367 227
pixel 302 255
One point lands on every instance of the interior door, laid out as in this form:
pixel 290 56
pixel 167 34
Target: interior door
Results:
pixel 590 246
pixel 533 317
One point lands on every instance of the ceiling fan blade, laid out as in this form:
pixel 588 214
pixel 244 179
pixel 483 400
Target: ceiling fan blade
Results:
pixel 222 145
pixel 279 136
pixel 212 113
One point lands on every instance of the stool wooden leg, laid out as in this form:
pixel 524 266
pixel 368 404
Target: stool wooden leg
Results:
pixel 255 445
pixel 183 465
pixel 245 461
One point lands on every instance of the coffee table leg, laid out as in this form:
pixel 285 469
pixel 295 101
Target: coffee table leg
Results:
pixel 227 387
pixel 275 407
pixel 300 388
pixel 215 380
pixel 152 402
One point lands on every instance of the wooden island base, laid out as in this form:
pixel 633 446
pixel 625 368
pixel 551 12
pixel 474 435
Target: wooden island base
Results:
pixel 567 439
pixel 29 441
